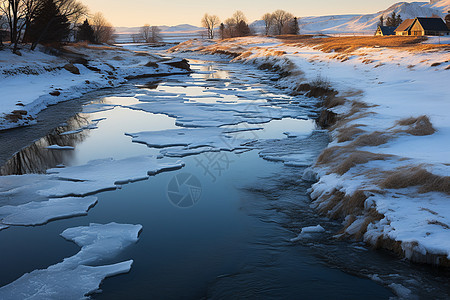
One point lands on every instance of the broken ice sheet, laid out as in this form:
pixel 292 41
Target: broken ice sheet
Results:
pixel 73 278
pixel 17 192
pixel 192 141
pixel 38 213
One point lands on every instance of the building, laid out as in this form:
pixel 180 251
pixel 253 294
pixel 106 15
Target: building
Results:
pixel 385 30
pixel 423 26
pixel 403 28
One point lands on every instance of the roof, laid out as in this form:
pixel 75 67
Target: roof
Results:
pixel 387 30
pixel 432 24
pixel 405 25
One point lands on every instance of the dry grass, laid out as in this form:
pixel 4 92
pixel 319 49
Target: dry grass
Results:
pixel 357 158
pixel 416 176
pixel 375 138
pixel 350 44
pixel 348 133
pixel 419 126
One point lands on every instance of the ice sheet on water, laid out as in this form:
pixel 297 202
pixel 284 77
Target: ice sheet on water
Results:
pixel 193 140
pixel 103 174
pixel 97 107
pixel 57 147
pixel 197 114
pixel 295 151
pixel 73 278
pixel 17 192
pixel 93 125
pixel 38 213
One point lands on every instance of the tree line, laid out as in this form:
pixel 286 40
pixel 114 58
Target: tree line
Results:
pixel 393 20
pixel 276 23
pixel 51 21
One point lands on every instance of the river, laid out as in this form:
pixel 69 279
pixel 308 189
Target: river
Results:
pixel 232 237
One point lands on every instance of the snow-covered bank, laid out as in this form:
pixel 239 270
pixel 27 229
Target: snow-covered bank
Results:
pixel 36 79
pixel 386 171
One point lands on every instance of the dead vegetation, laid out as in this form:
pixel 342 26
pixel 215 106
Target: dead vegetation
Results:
pixel 416 176
pixel 350 44
pixel 419 126
pixel 357 158
pixel 375 138
pixel 349 133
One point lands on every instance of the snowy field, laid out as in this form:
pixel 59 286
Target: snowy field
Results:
pixel 386 173
pixel 36 79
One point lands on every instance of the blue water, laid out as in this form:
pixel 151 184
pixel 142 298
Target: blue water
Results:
pixel 234 242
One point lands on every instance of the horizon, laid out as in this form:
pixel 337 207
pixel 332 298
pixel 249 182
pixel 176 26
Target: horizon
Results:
pixel 138 13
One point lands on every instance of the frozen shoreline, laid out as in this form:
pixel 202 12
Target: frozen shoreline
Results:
pixel 385 173
pixel 33 81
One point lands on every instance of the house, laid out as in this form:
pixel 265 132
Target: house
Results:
pixel 423 26
pixel 403 29
pixel 385 30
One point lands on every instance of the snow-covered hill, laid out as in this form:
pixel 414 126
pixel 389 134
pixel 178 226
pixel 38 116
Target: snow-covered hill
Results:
pixel 367 23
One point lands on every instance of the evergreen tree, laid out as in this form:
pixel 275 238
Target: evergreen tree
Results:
pixel 85 32
pixel 392 20
pixel 242 28
pixel 381 22
pixel 294 29
pixel 398 21
pixel 222 31
pixel 49 25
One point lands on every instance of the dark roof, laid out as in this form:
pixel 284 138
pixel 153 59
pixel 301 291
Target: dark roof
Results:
pixel 432 24
pixel 405 25
pixel 387 30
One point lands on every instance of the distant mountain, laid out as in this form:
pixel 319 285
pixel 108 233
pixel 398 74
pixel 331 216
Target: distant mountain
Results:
pixel 168 29
pixel 367 23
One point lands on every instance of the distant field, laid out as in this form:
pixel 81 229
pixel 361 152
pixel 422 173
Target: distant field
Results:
pixel 351 43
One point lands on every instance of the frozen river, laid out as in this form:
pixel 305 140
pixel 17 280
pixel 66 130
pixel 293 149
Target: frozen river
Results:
pixel 220 212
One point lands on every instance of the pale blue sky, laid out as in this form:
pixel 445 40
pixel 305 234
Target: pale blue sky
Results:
pixel 174 12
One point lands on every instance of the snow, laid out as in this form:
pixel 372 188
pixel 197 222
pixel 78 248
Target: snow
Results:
pixel 38 213
pixel 76 277
pixel 57 147
pixel 307 232
pixel 394 85
pixel 28 80
pixel 365 24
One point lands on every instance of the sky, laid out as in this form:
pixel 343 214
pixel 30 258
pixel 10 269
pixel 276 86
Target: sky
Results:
pixel 132 13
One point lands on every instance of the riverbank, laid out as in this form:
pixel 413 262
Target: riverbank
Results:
pixel 36 79
pixel 386 173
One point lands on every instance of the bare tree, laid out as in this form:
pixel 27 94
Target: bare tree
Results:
pixel 155 34
pixel 238 17
pixel 210 22
pixel 103 30
pixel 144 33
pixel 268 22
pixel 281 19
pixel 14 11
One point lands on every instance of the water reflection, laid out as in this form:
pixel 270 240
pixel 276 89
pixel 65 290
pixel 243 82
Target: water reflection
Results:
pixel 36 158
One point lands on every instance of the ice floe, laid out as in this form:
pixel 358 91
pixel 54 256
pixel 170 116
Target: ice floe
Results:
pixel 308 232
pixel 57 147
pixel 38 213
pixel 193 140
pixel 75 277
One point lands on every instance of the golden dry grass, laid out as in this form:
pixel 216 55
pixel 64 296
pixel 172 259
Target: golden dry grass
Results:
pixel 348 133
pixel 416 176
pixel 419 126
pixel 350 44
pixel 357 158
pixel 375 138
